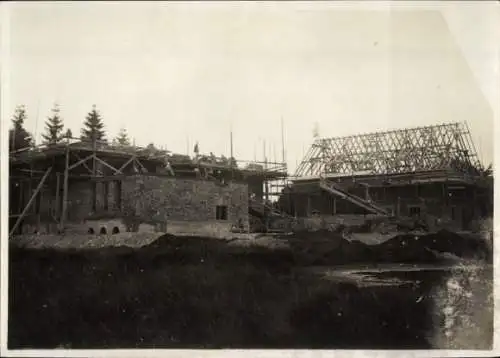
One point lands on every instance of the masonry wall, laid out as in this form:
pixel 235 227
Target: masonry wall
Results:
pixel 165 198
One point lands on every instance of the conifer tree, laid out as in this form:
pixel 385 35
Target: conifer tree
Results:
pixel 19 137
pixel 122 138
pixel 53 127
pixel 68 134
pixel 93 127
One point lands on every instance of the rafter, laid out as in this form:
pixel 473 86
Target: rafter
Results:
pixel 439 147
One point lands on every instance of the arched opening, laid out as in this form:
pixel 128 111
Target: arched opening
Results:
pixel 91 231
pixel 116 230
pixel 103 231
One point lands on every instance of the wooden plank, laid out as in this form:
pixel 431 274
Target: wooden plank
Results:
pixel 140 164
pixel 30 202
pixel 81 162
pixel 126 163
pixel 107 165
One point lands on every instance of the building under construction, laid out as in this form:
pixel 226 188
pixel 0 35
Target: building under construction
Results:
pixel 100 188
pixel 425 171
pixel 81 187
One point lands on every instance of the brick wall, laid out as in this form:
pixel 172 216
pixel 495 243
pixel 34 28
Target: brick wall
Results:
pixel 164 198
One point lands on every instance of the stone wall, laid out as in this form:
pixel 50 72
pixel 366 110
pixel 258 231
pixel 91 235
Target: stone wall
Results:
pixel 166 198
pixel 79 200
pixel 147 200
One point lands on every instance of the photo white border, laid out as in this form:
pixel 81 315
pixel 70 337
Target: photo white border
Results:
pixel 4 125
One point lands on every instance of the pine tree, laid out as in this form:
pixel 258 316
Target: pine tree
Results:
pixel 93 127
pixel 122 138
pixel 68 134
pixel 53 127
pixel 19 137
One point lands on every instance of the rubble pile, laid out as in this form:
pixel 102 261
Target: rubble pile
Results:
pixel 324 247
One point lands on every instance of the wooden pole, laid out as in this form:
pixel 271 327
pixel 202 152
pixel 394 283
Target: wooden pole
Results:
pixel 283 141
pixel 231 158
pixel 58 190
pixel 81 161
pixel 65 192
pixel 26 208
pixel 21 195
pixel 266 186
pixel 94 149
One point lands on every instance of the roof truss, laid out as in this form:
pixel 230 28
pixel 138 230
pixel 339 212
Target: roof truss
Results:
pixel 438 147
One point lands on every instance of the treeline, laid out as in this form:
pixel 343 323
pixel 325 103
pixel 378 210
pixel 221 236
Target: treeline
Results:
pixel 93 129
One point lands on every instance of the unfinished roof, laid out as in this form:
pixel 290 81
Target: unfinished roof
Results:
pixel 105 152
pixel 446 147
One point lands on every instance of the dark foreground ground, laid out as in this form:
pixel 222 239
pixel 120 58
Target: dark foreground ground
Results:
pixel 198 293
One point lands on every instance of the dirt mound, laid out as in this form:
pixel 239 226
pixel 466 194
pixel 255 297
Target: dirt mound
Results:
pixel 325 247
pixel 441 242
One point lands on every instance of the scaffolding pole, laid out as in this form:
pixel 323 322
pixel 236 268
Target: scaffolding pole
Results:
pixel 231 159
pixel 28 205
pixel 65 192
pixel 58 192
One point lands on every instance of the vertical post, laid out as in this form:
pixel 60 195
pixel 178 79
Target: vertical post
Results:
pixel 266 184
pixel 30 187
pixel 231 157
pixel 105 187
pixel 65 191
pixel 94 149
pixel 38 202
pixel 21 195
pixel 334 206
pixel 94 170
pixel 58 191
pixel 283 141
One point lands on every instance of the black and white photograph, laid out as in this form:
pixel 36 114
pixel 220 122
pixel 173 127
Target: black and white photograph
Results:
pixel 248 176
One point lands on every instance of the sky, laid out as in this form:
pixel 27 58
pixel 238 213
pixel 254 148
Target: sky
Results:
pixel 177 73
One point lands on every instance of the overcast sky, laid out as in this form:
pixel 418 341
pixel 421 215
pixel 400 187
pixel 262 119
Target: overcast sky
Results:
pixel 173 72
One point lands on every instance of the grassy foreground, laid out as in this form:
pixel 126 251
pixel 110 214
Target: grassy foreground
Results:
pixel 193 293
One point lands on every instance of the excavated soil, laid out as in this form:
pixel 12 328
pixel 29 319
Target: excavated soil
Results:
pixel 329 248
pixel 193 292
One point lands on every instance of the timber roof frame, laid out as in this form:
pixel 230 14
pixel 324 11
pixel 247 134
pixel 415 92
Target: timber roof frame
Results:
pixel 443 147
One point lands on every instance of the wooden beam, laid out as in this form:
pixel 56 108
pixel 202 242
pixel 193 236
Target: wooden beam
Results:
pixel 58 190
pixel 125 164
pixel 84 163
pixel 80 162
pixel 140 164
pixel 107 165
pixel 28 205
pixel 65 192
